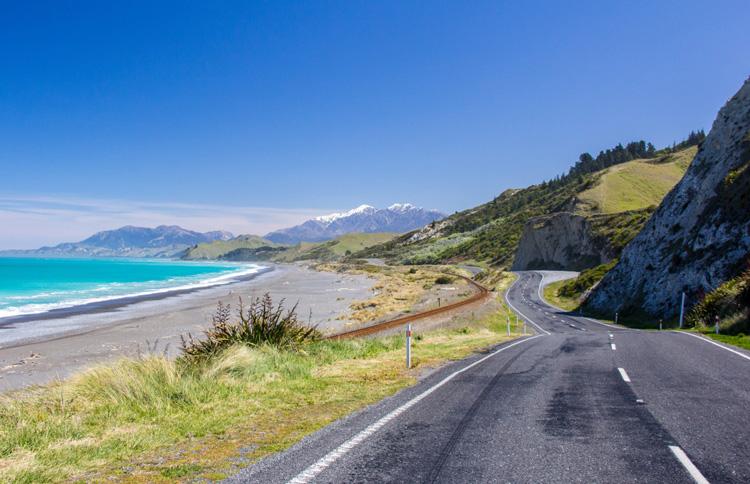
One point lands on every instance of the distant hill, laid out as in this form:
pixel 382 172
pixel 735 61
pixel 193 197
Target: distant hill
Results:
pixel 397 218
pixel 254 248
pixel 218 248
pixel 130 241
pixel 575 221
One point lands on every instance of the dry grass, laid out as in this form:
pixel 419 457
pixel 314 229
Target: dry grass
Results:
pixel 398 288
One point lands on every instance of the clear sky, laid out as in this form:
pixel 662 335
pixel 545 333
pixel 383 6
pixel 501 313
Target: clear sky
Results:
pixel 248 116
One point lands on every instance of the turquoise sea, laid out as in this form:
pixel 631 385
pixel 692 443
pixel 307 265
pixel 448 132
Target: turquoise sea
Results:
pixel 37 285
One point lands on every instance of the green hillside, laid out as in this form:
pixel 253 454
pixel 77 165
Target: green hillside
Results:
pixel 253 248
pixel 333 249
pixel 636 184
pixel 617 200
pixel 218 248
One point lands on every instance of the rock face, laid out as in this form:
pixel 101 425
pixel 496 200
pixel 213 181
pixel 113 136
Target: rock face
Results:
pixel 700 234
pixel 559 241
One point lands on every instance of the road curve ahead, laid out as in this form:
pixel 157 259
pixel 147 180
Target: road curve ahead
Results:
pixel 580 401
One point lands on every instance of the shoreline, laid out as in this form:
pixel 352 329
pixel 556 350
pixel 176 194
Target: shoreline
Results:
pixel 38 350
pixel 116 302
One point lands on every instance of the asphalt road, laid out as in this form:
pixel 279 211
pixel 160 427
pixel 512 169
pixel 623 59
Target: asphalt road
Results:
pixel 580 401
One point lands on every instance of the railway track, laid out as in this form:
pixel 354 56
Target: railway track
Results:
pixel 481 293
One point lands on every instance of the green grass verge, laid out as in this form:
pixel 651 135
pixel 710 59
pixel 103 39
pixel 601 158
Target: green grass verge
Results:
pixel 154 420
pixel 739 340
pixel 551 296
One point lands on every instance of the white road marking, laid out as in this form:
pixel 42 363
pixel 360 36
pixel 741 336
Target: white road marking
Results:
pixel 624 375
pixel 519 312
pixel 688 465
pixel 311 472
pixel 715 344
pixel 613 347
pixel 611 336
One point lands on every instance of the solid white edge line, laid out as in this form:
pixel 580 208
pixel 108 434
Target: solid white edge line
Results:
pixel 688 464
pixel 519 312
pixel 715 344
pixel 624 375
pixel 312 471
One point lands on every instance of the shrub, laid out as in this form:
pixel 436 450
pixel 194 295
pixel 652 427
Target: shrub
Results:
pixel 260 323
pixel 443 280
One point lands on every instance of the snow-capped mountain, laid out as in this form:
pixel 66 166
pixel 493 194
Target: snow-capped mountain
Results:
pixel 130 241
pixel 399 217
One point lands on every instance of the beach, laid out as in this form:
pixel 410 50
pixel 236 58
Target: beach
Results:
pixel 40 348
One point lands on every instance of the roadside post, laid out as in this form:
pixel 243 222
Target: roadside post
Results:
pixel 616 315
pixel 438 302
pixel 508 325
pixel 660 324
pixel 682 309
pixel 717 324
pixel 516 321
pixel 408 346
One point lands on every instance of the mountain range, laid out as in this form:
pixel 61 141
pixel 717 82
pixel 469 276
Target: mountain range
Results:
pixel 398 218
pixel 130 241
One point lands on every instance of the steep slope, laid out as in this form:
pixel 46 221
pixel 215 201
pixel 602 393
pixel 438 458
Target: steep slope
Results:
pixel 217 249
pixel 130 241
pixel 700 234
pixel 607 206
pixel 397 218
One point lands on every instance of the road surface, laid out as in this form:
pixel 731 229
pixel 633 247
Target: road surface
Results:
pixel 580 401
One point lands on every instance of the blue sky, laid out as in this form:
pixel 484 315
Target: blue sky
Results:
pixel 248 116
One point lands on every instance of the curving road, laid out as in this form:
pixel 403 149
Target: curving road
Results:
pixel 580 401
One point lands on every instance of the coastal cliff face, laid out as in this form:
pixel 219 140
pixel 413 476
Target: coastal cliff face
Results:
pixel 699 236
pixel 559 241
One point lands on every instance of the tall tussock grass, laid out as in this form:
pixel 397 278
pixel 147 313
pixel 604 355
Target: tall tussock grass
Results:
pixel 260 323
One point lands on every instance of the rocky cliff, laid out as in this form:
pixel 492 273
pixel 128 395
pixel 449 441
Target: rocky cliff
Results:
pixel 560 241
pixel 700 234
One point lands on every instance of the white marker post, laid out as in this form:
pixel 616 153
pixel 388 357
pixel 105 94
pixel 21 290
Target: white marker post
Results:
pixel 508 325
pixel 717 324
pixel 616 314
pixel 408 346
pixel 682 309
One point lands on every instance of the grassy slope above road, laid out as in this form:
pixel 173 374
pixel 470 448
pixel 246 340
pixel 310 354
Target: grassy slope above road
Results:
pixel 154 420
pixel 618 200
pixel 637 184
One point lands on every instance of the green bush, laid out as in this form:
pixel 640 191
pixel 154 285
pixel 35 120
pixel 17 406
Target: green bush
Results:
pixel 730 302
pixel 443 280
pixel 260 323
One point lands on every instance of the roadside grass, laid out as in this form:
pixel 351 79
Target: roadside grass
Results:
pixel 156 420
pixel 551 296
pixel 740 340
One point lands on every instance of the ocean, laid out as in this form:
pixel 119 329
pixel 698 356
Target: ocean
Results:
pixel 37 285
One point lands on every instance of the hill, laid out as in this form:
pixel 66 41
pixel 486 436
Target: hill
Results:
pixel 607 206
pixel 398 218
pixel 254 248
pixel 218 248
pixel 130 241
pixel 699 237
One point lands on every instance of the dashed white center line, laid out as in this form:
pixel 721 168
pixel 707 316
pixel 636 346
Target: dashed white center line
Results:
pixel 624 375
pixel 688 464
pixel 613 346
